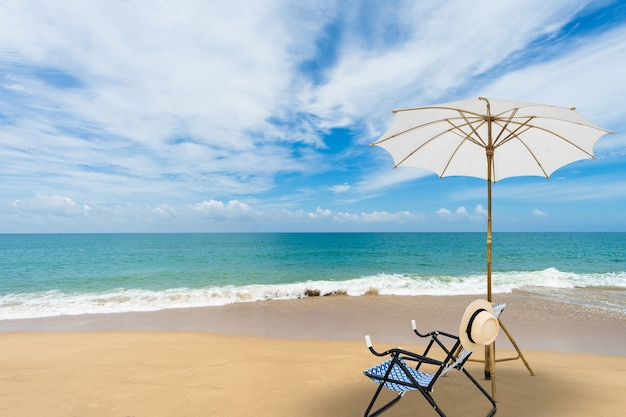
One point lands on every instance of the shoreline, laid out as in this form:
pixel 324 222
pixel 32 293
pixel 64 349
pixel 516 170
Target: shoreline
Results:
pixel 536 323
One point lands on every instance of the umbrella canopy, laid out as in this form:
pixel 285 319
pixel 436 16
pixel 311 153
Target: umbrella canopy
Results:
pixel 490 139
pixel 453 138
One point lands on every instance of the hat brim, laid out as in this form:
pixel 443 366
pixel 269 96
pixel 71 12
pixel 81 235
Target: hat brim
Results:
pixel 467 315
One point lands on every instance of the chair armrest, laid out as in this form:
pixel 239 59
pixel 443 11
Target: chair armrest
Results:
pixel 431 334
pixel 368 342
pixel 417 332
pixel 401 352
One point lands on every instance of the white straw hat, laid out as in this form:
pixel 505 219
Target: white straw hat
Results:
pixel 479 327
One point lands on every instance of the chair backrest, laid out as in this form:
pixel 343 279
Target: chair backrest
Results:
pixel 498 309
pixel 460 360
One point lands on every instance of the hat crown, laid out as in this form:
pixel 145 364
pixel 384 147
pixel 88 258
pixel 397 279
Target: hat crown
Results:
pixel 479 326
pixel 484 328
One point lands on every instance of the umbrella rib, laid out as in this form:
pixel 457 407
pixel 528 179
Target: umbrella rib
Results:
pixel 478 140
pixel 497 139
pixel 395 135
pixel 414 151
pixel 465 136
pixel 531 154
pixel 463 115
pixel 514 134
pixel 455 129
pixel 405 131
pixel 527 125
pixel 504 127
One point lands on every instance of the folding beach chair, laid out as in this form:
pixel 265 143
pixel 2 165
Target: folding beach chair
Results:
pixel 407 371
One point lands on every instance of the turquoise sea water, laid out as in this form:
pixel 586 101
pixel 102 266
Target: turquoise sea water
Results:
pixel 59 274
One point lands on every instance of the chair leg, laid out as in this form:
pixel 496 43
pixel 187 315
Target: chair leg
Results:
pixel 426 395
pixel 432 402
pixel 485 393
pixel 379 389
pixel 384 407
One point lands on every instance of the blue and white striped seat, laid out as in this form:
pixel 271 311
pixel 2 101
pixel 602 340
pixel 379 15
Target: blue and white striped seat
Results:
pixel 400 374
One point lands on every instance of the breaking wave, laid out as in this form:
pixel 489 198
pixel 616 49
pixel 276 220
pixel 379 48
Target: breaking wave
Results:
pixel 57 303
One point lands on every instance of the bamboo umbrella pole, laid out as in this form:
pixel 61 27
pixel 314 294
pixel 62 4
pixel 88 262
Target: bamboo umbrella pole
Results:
pixel 490 350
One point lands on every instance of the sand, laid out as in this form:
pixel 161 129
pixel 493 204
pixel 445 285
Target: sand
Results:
pixel 301 358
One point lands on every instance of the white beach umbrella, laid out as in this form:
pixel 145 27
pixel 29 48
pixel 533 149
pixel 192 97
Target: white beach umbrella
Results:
pixel 490 139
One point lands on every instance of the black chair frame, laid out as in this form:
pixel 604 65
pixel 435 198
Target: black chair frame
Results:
pixel 455 358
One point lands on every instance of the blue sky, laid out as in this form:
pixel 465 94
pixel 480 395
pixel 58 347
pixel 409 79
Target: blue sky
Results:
pixel 246 116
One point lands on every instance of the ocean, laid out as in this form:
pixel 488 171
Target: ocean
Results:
pixel 43 275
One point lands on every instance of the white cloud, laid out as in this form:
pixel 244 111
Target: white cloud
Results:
pixel 158 88
pixel 462 211
pixel 341 188
pixel 219 210
pixel 480 210
pixel 205 216
pixel 539 213
pixel 384 178
pixel 462 215
pixel 401 217
pixel 50 205
pixel 320 213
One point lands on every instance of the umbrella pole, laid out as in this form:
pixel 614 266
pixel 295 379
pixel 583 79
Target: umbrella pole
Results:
pixel 490 350
pixel 489 298
pixel 489 151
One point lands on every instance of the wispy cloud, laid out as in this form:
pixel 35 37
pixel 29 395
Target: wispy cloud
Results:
pixel 177 112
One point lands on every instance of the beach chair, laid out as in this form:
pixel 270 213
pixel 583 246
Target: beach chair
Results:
pixel 406 371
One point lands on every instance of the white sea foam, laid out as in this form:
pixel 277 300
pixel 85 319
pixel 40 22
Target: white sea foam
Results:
pixel 54 303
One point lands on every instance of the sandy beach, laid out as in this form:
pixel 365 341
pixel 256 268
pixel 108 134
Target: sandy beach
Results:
pixel 302 358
